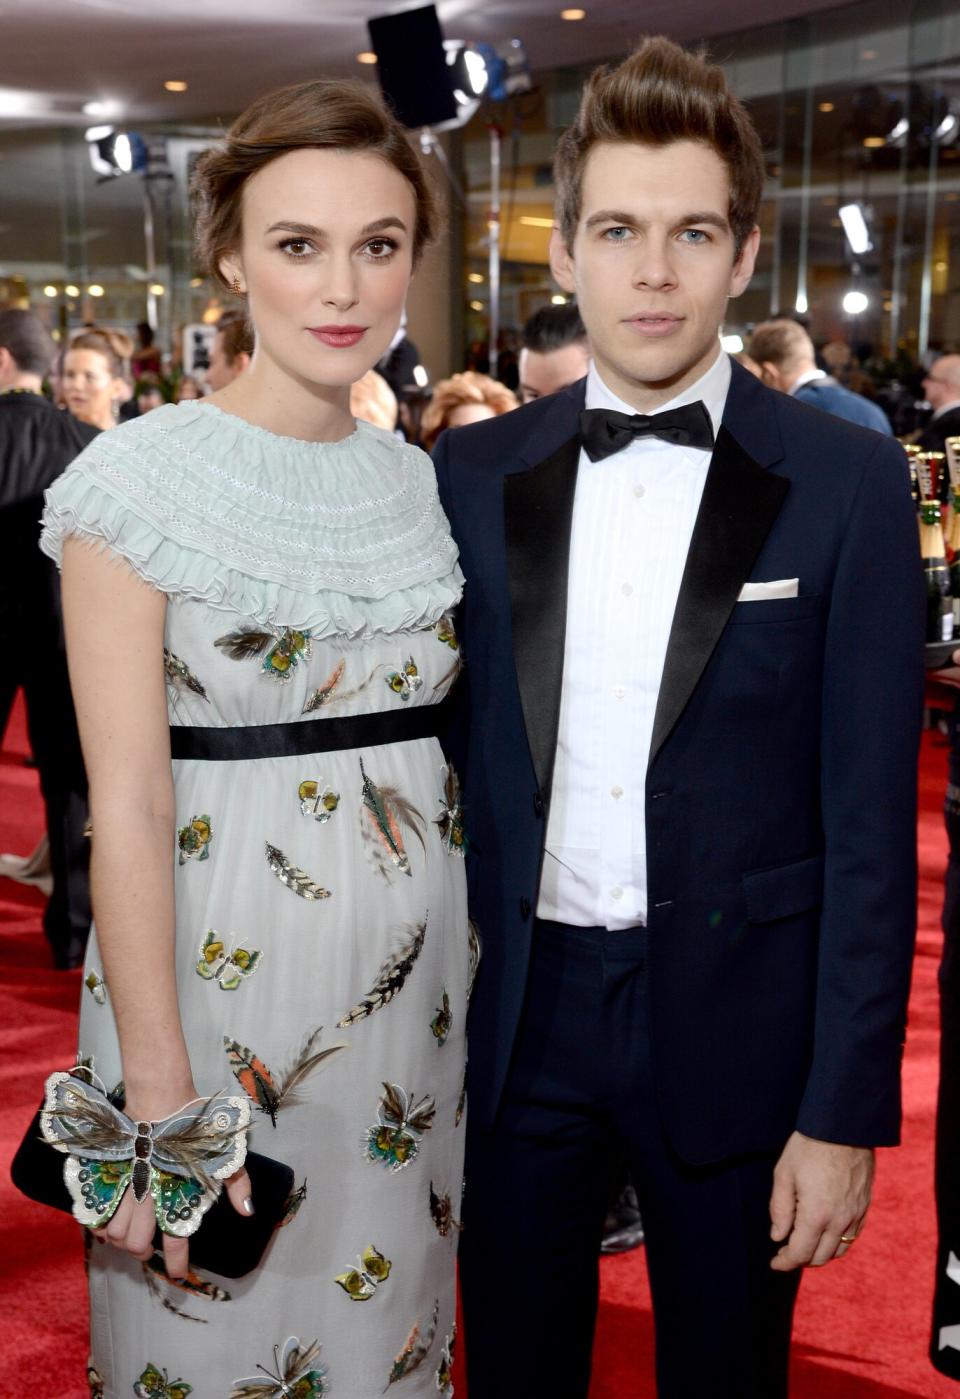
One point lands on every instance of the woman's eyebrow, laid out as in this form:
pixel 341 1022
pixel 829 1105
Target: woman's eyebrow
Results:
pixel 309 230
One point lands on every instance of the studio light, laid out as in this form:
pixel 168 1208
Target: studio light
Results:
pixel 855 228
pixel 558 299
pixel 800 305
pixel 114 153
pixel 855 302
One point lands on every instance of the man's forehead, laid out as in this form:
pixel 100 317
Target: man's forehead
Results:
pixel 643 173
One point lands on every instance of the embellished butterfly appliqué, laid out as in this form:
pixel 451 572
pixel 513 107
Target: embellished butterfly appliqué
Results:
pixel 406 681
pixel 394 1139
pixel 361 1283
pixel 229 966
pixel 296 1374
pixel 282 651
pixel 193 840
pixel 156 1384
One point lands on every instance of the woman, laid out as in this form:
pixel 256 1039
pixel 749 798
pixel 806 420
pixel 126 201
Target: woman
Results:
pixel 95 378
pixel 465 398
pixel 261 559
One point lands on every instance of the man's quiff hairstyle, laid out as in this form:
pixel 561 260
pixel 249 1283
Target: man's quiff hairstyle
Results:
pixel 324 114
pixel 662 94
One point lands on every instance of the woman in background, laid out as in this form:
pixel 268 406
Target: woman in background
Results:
pixel 95 379
pixel 465 398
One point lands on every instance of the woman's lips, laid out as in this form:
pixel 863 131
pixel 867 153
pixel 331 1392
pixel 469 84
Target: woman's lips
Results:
pixel 338 337
pixel 654 327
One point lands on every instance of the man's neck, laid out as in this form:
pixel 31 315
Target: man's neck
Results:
pixel 23 383
pixel 650 397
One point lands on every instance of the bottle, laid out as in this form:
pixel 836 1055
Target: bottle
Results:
pixel 940 619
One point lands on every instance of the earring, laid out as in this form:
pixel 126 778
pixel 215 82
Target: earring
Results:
pixel 236 287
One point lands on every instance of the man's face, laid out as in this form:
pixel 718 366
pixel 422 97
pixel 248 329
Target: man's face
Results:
pixel 942 384
pixel 541 374
pixel 653 264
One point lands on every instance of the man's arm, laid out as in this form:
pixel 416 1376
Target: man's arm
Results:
pixel 871 709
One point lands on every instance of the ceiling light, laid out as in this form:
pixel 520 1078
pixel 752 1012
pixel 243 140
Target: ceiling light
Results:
pixel 947 128
pixel 475 277
pixel 874 143
pixel 175 85
pixel 196 282
pixel 420 376
pixel 825 107
pixel 50 291
pixel 800 305
pixel 531 222
pixel 731 344
pixel 940 266
pixel 95 289
pixel 71 290
pixel 854 302
pixel 855 228
pixel 573 14
pixel 13 103
pixel 898 132
pixel 366 57
pixel 476 305
pixel 558 299
pixel 101 108
pixel 156 289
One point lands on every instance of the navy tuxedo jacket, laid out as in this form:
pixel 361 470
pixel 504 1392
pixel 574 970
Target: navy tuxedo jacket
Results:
pixel 781 787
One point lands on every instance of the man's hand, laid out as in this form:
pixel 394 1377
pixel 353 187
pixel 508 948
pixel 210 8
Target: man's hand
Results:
pixel 821 1192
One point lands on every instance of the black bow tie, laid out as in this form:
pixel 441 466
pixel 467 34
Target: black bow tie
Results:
pixel 604 431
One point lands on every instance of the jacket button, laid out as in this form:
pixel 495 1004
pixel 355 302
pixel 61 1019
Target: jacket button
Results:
pixel 524 908
pixel 537 804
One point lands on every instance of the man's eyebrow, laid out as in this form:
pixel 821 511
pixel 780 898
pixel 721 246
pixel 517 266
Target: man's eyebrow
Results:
pixel 309 230
pixel 619 216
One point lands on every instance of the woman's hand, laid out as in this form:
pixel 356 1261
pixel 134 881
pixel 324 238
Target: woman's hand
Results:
pixel 133 1224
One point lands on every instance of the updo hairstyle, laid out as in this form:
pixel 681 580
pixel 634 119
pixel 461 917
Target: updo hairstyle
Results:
pixel 115 346
pixel 323 114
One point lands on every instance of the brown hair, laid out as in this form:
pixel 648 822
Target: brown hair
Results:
pixel 323 114
pixel 115 346
pixel 658 95
pixel 236 334
pixel 781 342
pixel 454 393
pixel 373 400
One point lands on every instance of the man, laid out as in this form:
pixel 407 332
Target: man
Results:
pixel 941 385
pixel 692 811
pixel 36 443
pixel 555 351
pixel 231 350
pixel 788 362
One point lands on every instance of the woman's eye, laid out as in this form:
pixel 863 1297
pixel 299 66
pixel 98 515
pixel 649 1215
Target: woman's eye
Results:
pixel 295 247
pixel 381 248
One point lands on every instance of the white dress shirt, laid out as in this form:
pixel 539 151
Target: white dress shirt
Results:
pixel 633 518
pixel 809 376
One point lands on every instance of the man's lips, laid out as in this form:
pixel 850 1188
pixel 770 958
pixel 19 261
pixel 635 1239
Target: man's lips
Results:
pixel 653 324
pixel 338 336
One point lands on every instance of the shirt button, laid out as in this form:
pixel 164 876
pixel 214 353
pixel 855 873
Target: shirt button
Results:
pixel 616 793
pixel 616 892
pixel 619 691
pixel 626 589
pixel 638 491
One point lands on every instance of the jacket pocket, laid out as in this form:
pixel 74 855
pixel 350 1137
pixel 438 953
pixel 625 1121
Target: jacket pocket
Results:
pixel 784 890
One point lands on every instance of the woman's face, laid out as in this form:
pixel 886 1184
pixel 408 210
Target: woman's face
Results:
pixel 466 413
pixel 89 388
pixel 325 259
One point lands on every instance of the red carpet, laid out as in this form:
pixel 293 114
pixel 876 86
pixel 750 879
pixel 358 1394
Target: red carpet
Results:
pixel 861 1325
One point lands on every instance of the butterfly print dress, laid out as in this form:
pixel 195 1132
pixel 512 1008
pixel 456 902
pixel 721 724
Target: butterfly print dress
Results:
pixel 322 946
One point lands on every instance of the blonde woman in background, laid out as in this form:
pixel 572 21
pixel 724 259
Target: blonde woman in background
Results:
pixel 373 400
pixel 96 376
pixel 465 398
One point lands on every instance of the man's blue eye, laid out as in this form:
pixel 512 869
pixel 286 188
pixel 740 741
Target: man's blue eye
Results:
pixel 695 235
pixel 618 229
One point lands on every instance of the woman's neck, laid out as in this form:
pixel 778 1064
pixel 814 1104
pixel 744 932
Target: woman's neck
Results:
pixel 291 407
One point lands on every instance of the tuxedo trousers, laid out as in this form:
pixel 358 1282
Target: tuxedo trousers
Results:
pixel 580 1107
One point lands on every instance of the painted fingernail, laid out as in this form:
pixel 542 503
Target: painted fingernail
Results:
pixel 248 1205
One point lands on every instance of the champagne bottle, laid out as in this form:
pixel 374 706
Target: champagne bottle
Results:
pixel 940 619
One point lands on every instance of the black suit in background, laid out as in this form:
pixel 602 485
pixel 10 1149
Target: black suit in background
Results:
pixel 936 431
pixel 768 991
pixel 37 442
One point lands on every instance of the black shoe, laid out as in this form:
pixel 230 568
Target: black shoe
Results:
pixel 623 1228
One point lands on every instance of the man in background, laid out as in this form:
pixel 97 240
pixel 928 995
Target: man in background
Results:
pixel 788 362
pixel 555 351
pixel 37 442
pixel 231 350
pixel 941 385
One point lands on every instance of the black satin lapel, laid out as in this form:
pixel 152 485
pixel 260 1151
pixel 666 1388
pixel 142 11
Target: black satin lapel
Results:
pixel 740 502
pixel 538 510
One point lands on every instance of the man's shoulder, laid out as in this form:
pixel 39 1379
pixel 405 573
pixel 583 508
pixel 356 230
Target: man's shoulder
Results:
pixel 805 425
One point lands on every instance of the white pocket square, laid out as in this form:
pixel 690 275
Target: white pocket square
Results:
pixel 764 592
